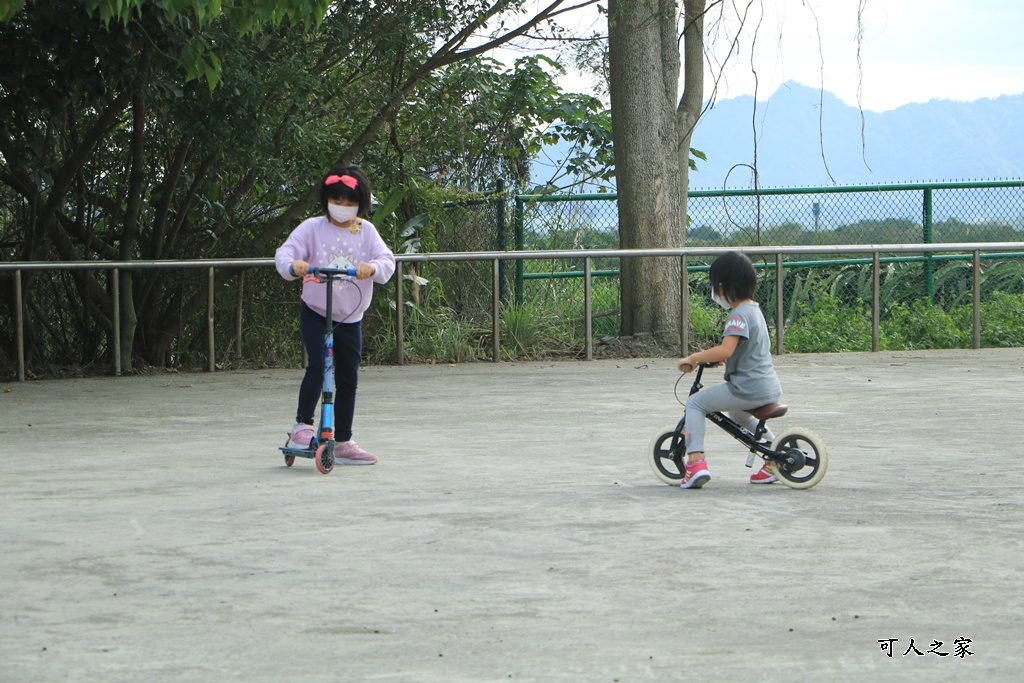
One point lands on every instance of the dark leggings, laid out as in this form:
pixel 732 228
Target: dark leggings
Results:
pixel 348 350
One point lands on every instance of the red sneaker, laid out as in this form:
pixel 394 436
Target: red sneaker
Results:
pixel 765 475
pixel 696 475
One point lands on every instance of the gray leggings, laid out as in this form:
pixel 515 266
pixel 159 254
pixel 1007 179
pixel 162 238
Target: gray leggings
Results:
pixel 718 399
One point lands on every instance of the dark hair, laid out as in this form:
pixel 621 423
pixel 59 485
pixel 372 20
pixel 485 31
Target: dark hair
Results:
pixel 735 274
pixel 360 194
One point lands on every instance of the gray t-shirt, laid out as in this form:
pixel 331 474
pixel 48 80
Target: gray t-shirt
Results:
pixel 749 371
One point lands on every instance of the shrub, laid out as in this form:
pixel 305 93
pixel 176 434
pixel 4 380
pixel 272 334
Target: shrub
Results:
pixel 1002 320
pixel 441 336
pixel 825 326
pixel 527 329
pixel 706 322
pixel 921 326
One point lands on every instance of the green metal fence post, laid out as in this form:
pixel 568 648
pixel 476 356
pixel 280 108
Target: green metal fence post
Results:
pixel 976 300
pixel 239 304
pixel 928 238
pixel 780 311
pixel 499 205
pixel 876 299
pixel 684 307
pixel 520 241
pixel 211 349
pixel 496 311
pixel 588 308
pixel 115 291
pixel 399 316
pixel 19 324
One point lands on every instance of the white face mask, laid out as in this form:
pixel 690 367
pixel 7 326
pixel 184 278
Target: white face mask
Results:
pixel 342 214
pixel 720 300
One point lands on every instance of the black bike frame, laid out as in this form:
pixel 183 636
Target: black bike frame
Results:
pixel 729 425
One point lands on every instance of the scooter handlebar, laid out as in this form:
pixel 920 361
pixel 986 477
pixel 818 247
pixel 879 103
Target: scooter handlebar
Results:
pixel 332 272
pixel 327 272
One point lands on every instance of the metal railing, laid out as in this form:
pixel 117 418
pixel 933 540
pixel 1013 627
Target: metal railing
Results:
pixel 898 213
pixel 498 257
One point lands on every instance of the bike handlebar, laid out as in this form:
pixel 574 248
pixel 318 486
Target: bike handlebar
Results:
pixel 702 365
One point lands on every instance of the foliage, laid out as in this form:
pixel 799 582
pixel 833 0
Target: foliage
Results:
pixel 526 327
pixel 865 231
pixel 195 54
pixel 1002 320
pixel 827 326
pixel 921 326
pixel 707 320
pixel 110 151
pixel 442 336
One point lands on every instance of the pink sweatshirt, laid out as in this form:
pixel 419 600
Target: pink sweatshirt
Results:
pixel 321 243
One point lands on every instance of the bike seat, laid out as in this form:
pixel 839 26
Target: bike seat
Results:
pixel 769 411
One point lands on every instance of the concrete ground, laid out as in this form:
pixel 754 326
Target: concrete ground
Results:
pixel 513 530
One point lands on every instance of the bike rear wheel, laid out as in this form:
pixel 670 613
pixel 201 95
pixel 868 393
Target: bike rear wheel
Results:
pixel 808 460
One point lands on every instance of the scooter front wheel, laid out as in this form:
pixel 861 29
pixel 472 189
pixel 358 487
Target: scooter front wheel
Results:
pixel 324 458
pixel 806 458
pixel 665 453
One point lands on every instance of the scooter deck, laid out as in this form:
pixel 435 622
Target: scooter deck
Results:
pixel 307 452
pixel 299 452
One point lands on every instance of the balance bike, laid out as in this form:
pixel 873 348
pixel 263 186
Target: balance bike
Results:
pixel 321 447
pixel 798 455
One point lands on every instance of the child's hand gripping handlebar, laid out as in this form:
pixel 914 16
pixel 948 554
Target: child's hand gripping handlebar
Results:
pixel 690 367
pixel 327 273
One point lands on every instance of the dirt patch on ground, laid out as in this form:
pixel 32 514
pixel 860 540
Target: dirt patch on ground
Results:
pixel 637 346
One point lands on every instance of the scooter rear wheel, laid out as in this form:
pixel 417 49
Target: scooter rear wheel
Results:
pixel 324 458
pixel 814 458
pixel 667 465
pixel 289 460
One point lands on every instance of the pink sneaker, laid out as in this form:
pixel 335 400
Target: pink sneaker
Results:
pixel 696 475
pixel 350 453
pixel 300 436
pixel 765 475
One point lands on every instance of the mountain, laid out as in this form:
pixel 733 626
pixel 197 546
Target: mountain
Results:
pixel 935 141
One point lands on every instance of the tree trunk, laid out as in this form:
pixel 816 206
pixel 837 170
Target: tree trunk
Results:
pixel 642 86
pixel 130 232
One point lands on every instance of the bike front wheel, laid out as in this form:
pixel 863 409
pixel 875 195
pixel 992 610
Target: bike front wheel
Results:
pixel 806 458
pixel 665 453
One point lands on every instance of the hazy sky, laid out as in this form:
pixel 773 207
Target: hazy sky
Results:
pixel 910 51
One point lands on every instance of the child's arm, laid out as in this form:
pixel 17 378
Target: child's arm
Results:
pixel 290 258
pixel 716 354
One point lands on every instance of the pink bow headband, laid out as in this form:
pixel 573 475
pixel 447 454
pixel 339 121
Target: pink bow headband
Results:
pixel 346 179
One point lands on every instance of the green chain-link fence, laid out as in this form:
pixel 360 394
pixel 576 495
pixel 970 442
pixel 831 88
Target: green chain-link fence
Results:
pixel 925 301
pixel 832 293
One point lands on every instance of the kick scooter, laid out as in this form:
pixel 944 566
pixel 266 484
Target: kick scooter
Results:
pixel 797 455
pixel 321 447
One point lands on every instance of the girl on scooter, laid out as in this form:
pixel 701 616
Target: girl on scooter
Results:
pixel 341 237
